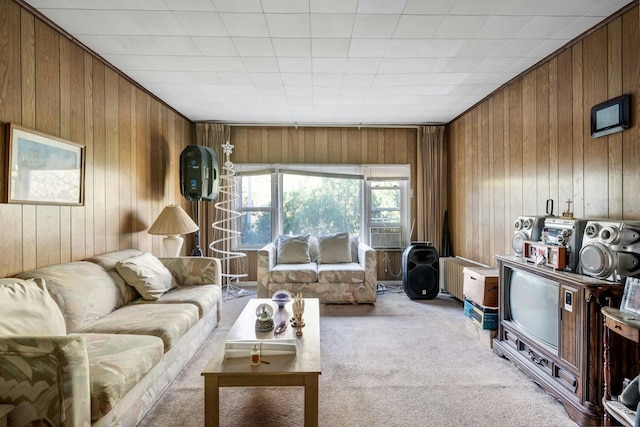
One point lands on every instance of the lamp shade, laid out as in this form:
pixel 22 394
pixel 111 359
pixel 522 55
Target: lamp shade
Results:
pixel 173 221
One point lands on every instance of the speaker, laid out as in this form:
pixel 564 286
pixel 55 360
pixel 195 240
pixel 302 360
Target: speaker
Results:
pixel 199 173
pixel 420 271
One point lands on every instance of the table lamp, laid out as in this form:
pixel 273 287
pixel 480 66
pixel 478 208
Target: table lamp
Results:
pixel 172 222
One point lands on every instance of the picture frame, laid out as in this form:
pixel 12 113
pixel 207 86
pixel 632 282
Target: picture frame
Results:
pixel 43 169
pixel 631 297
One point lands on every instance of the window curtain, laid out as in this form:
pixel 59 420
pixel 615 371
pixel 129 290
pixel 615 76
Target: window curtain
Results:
pixel 211 135
pixel 431 185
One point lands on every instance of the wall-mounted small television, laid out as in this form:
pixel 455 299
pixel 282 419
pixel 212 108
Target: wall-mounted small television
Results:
pixel 611 116
pixel 531 305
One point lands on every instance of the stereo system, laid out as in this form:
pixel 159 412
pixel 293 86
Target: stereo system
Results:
pixel 565 232
pixel 525 228
pixel 611 250
pixel 606 249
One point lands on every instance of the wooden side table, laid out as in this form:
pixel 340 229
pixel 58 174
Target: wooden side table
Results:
pixel 4 412
pixel 627 326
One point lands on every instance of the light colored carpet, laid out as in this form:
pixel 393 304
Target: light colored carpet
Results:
pixel 396 363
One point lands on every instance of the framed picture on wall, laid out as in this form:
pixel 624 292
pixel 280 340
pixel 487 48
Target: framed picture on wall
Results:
pixel 631 296
pixel 43 169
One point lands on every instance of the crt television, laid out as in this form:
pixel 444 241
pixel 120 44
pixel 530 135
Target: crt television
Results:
pixel 531 305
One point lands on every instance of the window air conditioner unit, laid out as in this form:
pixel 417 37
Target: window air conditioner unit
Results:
pixel 385 237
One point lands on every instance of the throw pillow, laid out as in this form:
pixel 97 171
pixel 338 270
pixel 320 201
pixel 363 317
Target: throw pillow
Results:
pixel 28 309
pixel 334 248
pixel 147 275
pixel 292 249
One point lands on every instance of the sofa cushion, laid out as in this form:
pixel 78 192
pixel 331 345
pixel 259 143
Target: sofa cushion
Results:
pixel 147 275
pixel 108 261
pixel 292 249
pixel 334 248
pixel 205 297
pixel 168 322
pixel 341 273
pixel 116 364
pixel 294 273
pixel 84 291
pixel 28 309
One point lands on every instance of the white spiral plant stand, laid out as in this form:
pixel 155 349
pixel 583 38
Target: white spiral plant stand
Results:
pixel 226 223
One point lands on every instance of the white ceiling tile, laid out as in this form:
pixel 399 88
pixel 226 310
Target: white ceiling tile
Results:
pixel 603 9
pixel 422 7
pixel 502 27
pixel 476 7
pixel 245 24
pixel 496 65
pixel 330 48
pixel 328 79
pixel 368 48
pixel 193 5
pixel 292 47
pixel 517 48
pixel 338 25
pixel 374 26
pixel 297 79
pixel 288 25
pixel 460 27
pixel 244 6
pixel 294 65
pixel 417 26
pixel 260 64
pixel 408 65
pixel 215 46
pixel 226 63
pixel 544 27
pixel 361 65
pixel 235 78
pixel 285 6
pixel 266 79
pixel 201 23
pixel 428 48
pixel 524 7
pixel 333 6
pixel 381 6
pixel 251 46
pixel 481 48
pixel 155 23
pixel 329 65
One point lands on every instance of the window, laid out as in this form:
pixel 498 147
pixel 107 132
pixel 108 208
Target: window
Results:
pixel 322 199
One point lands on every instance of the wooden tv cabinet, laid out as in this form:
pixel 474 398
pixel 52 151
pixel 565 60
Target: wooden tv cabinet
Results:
pixel 574 372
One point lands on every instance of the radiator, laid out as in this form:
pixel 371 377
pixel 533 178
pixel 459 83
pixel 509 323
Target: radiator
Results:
pixel 451 275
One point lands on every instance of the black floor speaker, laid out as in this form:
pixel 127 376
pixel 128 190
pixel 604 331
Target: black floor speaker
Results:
pixel 420 266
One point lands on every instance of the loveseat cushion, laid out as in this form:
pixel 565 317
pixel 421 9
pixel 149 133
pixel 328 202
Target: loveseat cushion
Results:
pixel 341 273
pixel 205 297
pixel 27 309
pixel 147 275
pixel 334 248
pixel 168 322
pixel 294 273
pixel 292 249
pixel 84 291
pixel 116 364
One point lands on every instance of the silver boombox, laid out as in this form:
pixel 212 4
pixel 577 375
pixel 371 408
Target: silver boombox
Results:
pixel 565 232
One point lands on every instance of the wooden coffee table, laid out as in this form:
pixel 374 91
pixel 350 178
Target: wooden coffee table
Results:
pixel 301 369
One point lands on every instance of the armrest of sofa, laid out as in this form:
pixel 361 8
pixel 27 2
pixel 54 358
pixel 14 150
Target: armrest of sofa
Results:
pixel 368 259
pixel 266 262
pixel 46 378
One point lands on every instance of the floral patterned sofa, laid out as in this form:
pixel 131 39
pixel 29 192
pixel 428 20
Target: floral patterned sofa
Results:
pixel 335 268
pixel 96 342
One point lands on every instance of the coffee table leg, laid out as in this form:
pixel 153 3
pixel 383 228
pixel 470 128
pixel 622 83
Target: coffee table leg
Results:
pixel 211 401
pixel 311 401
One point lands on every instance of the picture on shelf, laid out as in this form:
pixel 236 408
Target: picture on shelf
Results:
pixel 631 297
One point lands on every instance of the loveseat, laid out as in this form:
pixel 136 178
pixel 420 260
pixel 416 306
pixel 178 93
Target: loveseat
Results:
pixel 335 268
pixel 96 342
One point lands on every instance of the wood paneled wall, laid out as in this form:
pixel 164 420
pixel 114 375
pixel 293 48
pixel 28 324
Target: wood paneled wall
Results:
pixel 133 142
pixel 328 145
pixel 531 141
